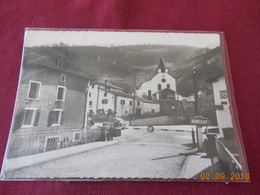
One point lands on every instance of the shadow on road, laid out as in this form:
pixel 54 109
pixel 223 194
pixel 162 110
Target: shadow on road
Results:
pixel 180 154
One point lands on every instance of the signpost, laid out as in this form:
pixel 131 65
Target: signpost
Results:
pixel 131 113
pixel 199 121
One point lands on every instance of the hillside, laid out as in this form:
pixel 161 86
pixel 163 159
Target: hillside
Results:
pixel 207 65
pixel 124 63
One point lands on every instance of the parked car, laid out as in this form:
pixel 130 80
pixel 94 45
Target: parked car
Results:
pixel 121 122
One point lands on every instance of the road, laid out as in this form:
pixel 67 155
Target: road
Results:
pixel 137 153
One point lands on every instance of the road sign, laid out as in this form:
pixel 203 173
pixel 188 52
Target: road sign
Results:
pixel 219 107
pixel 198 120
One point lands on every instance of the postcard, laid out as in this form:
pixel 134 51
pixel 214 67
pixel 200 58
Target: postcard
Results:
pixel 125 105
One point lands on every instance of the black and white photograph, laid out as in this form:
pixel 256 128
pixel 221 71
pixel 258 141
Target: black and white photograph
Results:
pixel 130 105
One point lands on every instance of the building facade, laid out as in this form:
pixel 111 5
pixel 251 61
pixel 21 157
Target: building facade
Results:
pixel 104 98
pixel 157 82
pixel 50 110
pixel 222 105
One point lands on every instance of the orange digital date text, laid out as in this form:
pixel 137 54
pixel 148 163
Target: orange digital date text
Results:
pixel 223 176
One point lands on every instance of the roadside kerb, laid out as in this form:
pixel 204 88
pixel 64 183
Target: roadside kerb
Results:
pixel 160 129
pixel 26 161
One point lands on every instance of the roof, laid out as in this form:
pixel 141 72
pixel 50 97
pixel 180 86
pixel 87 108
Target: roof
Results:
pixel 163 90
pixel 161 64
pixel 32 59
pixel 105 84
pixel 122 94
pixel 215 77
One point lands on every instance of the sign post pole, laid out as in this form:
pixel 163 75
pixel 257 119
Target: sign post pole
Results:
pixel 199 121
pixel 200 138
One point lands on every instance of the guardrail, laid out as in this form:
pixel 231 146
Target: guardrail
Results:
pixel 22 144
pixel 229 160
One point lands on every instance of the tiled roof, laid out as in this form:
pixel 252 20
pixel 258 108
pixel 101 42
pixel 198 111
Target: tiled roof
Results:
pixel 105 84
pixel 33 59
pixel 215 77
pixel 163 90
pixel 122 94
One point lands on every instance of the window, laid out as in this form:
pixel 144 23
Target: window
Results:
pixel 61 93
pixel 104 101
pixel 138 103
pixel 122 102
pixel 63 78
pixel 130 103
pixel 93 86
pixel 159 87
pixel 153 111
pixel 168 85
pixel 52 143
pixel 76 137
pixel 34 90
pixel 223 94
pixel 89 95
pixel 126 112
pixel 105 94
pixel 57 117
pixel 149 94
pixel 163 80
pixel 90 103
pixel 29 117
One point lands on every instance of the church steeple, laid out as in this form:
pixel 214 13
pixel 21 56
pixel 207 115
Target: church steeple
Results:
pixel 161 67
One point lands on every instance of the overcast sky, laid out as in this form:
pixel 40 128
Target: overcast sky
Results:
pixel 105 38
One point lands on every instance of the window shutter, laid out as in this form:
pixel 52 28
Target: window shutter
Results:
pixel 18 122
pixel 62 118
pixel 37 118
pixel 21 118
pixel 51 118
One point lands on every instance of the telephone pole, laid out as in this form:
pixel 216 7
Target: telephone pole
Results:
pixel 195 91
pixel 199 134
pixel 134 96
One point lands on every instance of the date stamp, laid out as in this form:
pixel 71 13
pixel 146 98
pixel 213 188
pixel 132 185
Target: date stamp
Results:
pixel 223 176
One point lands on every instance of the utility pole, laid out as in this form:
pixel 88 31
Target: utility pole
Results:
pixel 134 97
pixel 198 127
pixel 85 122
pixel 195 91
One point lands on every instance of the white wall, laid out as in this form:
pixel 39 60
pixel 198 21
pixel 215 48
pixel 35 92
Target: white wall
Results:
pixel 111 100
pixel 93 98
pixel 122 109
pixel 153 84
pixel 97 95
pixel 223 116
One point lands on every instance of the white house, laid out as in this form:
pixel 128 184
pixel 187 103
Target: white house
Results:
pixel 222 105
pixel 159 81
pixel 104 97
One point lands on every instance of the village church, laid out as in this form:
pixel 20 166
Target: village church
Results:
pixel 161 85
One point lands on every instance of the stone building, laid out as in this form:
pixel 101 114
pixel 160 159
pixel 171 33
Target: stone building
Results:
pixel 50 110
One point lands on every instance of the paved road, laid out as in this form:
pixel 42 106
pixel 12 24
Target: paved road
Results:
pixel 137 154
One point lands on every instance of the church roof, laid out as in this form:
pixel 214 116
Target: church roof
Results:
pixel 161 64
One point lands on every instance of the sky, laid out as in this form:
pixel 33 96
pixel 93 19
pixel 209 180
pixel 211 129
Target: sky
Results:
pixel 109 38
